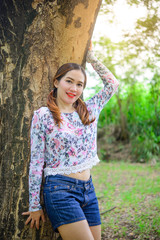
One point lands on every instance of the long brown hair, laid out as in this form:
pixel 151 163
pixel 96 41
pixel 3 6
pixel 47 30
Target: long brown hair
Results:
pixel 79 105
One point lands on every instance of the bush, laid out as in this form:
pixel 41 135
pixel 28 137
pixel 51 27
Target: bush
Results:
pixel 142 114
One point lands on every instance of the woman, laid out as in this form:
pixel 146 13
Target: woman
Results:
pixel 63 139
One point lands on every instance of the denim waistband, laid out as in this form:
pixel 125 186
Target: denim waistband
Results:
pixel 61 178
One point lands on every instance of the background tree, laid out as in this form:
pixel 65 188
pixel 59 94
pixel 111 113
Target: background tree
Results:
pixel 36 37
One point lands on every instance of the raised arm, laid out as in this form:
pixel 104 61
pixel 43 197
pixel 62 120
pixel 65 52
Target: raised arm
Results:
pixel 110 85
pixel 106 76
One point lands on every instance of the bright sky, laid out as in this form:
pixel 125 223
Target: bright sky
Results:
pixel 124 20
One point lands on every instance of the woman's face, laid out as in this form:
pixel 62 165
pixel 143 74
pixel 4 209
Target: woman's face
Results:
pixel 70 87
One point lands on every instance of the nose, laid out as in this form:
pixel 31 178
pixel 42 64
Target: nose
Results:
pixel 73 88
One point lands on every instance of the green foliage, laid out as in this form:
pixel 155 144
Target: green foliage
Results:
pixel 145 148
pixel 143 120
pixel 141 108
pixel 135 61
pixel 109 113
pixel 138 98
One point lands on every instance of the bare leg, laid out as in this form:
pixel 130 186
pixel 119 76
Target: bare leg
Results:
pixel 76 231
pixel 96 232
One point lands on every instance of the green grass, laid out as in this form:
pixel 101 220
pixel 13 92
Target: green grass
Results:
pixel 134 189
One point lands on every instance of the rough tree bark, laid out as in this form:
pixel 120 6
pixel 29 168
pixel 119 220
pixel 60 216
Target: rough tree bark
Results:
pixel 35 38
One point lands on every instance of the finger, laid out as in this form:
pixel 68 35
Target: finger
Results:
pixel 32 223
pixel 37 224
pixel 25 213
pixel 28 220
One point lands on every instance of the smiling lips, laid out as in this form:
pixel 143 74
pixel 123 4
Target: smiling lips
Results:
pixel 71 95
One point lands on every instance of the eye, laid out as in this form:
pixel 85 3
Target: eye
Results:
pixel 80 85
pixel 69 81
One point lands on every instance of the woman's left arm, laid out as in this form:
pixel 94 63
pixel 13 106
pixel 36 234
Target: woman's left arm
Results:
pixel 110 82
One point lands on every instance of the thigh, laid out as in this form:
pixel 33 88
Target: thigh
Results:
pixel 96 232
pixel 77 231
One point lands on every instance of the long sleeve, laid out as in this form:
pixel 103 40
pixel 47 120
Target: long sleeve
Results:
pixel 36 162
pixel 97 102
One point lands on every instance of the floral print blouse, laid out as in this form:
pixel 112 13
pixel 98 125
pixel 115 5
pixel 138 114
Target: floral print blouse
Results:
pixel 72 147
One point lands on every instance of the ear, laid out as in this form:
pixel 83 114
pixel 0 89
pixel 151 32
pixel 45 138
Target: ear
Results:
pixel 56 83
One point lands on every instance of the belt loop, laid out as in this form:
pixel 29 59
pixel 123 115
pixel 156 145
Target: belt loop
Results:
pixel 76 182
pixel 90 181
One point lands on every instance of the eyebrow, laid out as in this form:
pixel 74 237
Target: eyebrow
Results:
pixel 74 80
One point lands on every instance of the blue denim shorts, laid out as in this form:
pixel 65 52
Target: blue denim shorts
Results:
pixel 69 200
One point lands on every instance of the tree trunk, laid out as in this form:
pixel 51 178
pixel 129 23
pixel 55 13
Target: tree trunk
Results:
pixel 121 132
pixel 36 37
